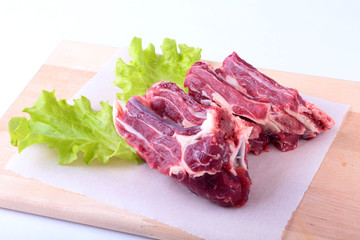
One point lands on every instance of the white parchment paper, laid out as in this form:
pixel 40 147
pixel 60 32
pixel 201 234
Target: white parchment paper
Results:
pixel 279 179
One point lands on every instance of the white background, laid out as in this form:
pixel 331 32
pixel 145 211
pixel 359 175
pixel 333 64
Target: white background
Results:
pixel 313 37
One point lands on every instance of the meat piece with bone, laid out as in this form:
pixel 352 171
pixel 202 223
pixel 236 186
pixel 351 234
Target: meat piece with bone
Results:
pixel 208 157
pixel 172 103
pixel 239 87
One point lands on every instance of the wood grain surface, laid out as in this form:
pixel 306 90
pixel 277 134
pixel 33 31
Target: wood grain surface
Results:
pixel 330 208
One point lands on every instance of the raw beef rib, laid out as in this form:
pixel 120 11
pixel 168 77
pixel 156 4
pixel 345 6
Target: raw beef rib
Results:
pixel 207 156
pixel 172 103
pixel 242 89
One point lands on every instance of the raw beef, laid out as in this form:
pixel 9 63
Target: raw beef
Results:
pixel 172 103
pixel 242 89
pixel 204 148
pixel 258 140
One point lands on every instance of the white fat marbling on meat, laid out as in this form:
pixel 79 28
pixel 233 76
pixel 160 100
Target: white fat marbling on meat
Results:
pixel 216 97
pixel 303 119
pixel 130 129
pixel 233 82
pixel 207 127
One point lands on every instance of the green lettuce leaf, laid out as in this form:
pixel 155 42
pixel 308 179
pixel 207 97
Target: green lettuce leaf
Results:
pixel 71 129
pixel 147 68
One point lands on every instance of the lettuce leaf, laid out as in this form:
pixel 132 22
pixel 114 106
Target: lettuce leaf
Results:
pixel 71 129
pixel 147 68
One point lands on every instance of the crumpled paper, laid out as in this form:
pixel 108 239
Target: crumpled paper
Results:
pixel 279 179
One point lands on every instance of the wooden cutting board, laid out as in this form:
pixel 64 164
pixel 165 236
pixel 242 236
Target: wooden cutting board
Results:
pixel 330 209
